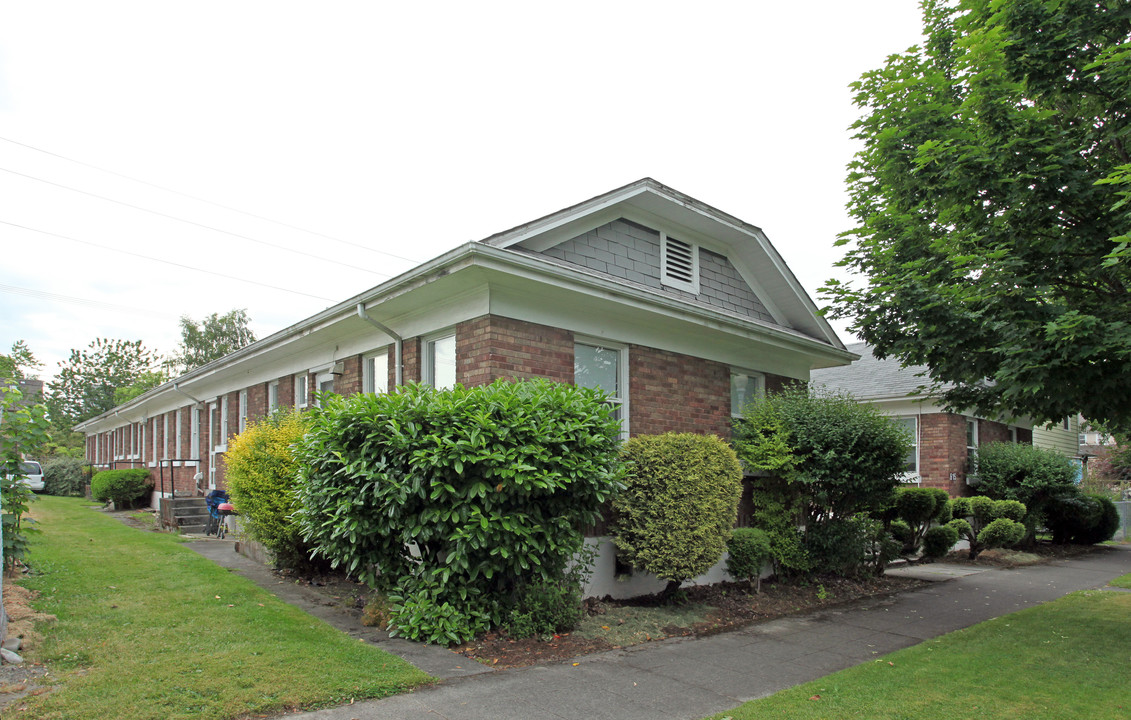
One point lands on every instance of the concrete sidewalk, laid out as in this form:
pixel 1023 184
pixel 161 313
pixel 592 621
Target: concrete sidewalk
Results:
pixel 691 678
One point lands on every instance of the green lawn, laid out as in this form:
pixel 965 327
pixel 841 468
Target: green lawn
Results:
pixel 1123 581
pixel 149 629
pixel 1065 659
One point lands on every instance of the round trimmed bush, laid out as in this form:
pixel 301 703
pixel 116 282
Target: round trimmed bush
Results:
pixel 1085 520
pixel 122 487
pixel 748 551
pixel 1002 532
pixel 679 504
pixel 938 541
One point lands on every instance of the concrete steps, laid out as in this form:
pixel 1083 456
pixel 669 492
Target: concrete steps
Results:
pixel 189 515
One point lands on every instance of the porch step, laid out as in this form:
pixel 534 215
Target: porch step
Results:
pixel 189 515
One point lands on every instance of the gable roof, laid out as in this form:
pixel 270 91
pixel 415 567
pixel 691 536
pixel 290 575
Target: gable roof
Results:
pixel 653 204
pixel 871 378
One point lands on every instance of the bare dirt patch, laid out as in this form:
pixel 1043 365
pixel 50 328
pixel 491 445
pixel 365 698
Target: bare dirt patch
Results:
pixel 19 681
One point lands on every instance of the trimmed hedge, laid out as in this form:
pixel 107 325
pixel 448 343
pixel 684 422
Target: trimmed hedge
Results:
pixel 122 487
pixel 1031 475
pixel 451 499
pixel 986 523
pixel 938 541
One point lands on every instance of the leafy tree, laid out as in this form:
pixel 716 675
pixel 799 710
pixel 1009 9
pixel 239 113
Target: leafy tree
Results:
pixel 85 384
pixel 991 203
pixel 145 382
pixel 20 364
pixel 211 339
pixel 23 430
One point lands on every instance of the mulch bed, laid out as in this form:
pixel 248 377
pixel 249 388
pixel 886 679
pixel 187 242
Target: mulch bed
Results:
pixel 729 606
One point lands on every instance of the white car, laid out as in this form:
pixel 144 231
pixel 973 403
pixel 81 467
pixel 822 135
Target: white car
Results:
pixel 33 475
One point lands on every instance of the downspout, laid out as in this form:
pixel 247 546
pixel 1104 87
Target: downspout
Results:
pixel 397 341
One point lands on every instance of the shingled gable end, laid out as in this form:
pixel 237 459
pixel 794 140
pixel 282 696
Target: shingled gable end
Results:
pixel 694 308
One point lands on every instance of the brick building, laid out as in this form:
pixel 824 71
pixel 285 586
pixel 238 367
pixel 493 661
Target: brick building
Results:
pixel 677 310
pixel 943 440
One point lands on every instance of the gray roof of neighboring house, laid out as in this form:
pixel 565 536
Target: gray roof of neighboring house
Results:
pixel 872 378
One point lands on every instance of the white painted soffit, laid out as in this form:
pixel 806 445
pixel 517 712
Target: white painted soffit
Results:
pixel 650 202
pixel 393 297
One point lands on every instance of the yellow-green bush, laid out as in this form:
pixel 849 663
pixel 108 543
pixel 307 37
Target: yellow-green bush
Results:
pixel 262 473
pixel 678 508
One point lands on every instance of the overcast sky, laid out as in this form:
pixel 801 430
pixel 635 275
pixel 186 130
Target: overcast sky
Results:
pixel 369 137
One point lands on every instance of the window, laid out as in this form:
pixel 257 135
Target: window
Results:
pixel 679 263
pixel 440 362
pixel 165 436
pixel 177 449
pixel 141 441
pixel 243 411
pixel 273 397
pixel 153 459
pixel 602 368
pixel 971 443
pixel 194 437
pixel 1068 423
pixel 911 461
pixel 222 439
pixel 745 387
pixel 300 390
pixel 325 386
pixel 375 372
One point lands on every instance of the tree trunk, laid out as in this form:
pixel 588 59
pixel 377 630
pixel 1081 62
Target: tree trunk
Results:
pixel 669 592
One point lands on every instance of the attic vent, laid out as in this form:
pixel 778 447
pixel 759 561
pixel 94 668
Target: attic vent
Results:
pixel 680 263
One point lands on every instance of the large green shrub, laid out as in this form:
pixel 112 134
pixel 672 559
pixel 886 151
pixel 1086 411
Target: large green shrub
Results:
pixel 64 476
pixel 122 487
pixel 748 551
pixel 679 504
pixel 1031 475
pixel 456 498
pixel 825 459
pixel 1086 519
pixel 262 474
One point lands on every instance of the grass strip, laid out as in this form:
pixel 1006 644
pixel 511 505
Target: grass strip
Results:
pixel 149 629
pixel 1057 660
pixel 1123 581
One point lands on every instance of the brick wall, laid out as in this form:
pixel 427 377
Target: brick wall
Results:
pixel 670 392
pixel 942 451
pixel 410 354
pixel 492 347
pixel 287 391
pixel 349 382
pixel 257 402
pixel 989 432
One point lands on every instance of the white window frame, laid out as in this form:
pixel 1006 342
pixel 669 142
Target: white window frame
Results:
pixel 428 343
pixel 1013 434
pixel 242 422
pixel 178 450
pixel 272 396
pixel 319 379
pixel 622 399
pixel 194 433
pixel 302 389
pixel 141 442
pixel 153 457
pixel 165 435
pixel 759 388
pixel 971 437
pixel 370 382
pixel 691 286
pixel 912 476
pixel 222 446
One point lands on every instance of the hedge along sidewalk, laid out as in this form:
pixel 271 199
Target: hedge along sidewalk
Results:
pixel 149 629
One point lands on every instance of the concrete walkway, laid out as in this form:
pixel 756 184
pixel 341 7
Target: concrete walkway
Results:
pixel 691 678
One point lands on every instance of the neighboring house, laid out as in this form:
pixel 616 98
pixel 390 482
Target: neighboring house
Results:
pixel 944 441
pixel 677 310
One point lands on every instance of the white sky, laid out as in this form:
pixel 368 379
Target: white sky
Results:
pixel 404 129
